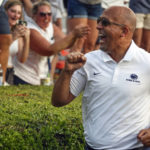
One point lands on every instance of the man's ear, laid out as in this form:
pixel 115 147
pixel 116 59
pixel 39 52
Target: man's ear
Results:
pixel 125 31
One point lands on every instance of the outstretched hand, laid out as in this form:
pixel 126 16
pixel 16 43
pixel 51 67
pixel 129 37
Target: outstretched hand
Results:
pixel 144 137
pixel 74 61
pixel 81 30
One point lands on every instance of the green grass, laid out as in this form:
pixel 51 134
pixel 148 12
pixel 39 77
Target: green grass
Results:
pixel 28 121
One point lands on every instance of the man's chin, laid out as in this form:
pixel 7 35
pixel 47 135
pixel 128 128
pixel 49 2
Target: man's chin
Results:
pixel 102 47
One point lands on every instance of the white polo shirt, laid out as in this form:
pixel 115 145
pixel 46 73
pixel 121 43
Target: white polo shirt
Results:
pixel 116 98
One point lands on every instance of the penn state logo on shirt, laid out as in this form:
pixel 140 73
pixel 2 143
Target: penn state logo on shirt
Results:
pixel 133 78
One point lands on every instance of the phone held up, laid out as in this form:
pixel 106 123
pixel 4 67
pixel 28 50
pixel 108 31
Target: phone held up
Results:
pixel 22 22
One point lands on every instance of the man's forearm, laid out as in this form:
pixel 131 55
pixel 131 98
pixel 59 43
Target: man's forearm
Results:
pixel 61 92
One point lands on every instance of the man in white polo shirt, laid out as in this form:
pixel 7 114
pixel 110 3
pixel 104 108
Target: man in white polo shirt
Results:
pixel 115 81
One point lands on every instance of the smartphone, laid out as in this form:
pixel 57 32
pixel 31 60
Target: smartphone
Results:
pixel 22 22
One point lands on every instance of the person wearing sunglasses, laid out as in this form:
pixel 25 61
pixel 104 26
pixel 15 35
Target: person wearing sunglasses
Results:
pixel 42 35
pixel 115 84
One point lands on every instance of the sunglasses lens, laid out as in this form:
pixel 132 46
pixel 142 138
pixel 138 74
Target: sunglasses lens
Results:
pixel 49 14
pixel 105 22
pixel 42 14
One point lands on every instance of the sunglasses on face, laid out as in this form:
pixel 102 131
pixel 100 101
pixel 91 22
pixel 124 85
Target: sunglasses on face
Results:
pixel 43 14
pixel 105 22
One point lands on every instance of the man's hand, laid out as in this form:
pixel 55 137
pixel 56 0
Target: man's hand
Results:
pixel 74 61
pixel 81 31
pixel 144 137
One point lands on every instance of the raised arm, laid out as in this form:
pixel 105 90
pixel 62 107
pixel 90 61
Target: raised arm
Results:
pixel 39 44
pixel 28 7
pixel 24 43
pixel 61 93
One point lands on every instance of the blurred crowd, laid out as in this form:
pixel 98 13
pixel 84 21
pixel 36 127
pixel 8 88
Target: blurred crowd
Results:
pixel 40 33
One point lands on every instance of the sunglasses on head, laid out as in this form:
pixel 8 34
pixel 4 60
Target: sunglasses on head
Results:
pixel 105 22
pixel 43 14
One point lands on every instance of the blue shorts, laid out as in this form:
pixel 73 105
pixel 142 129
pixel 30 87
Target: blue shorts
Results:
pixel 77 9
pixel 4 25
pixel 18 81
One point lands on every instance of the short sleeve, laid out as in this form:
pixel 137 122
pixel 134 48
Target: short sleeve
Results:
pixel 78 82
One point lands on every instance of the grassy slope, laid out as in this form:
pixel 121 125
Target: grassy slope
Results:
pixel 29 121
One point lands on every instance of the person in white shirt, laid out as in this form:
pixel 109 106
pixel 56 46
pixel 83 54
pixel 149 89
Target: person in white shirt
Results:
pixel 115 83
pixel 19 48
pixel 41 36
